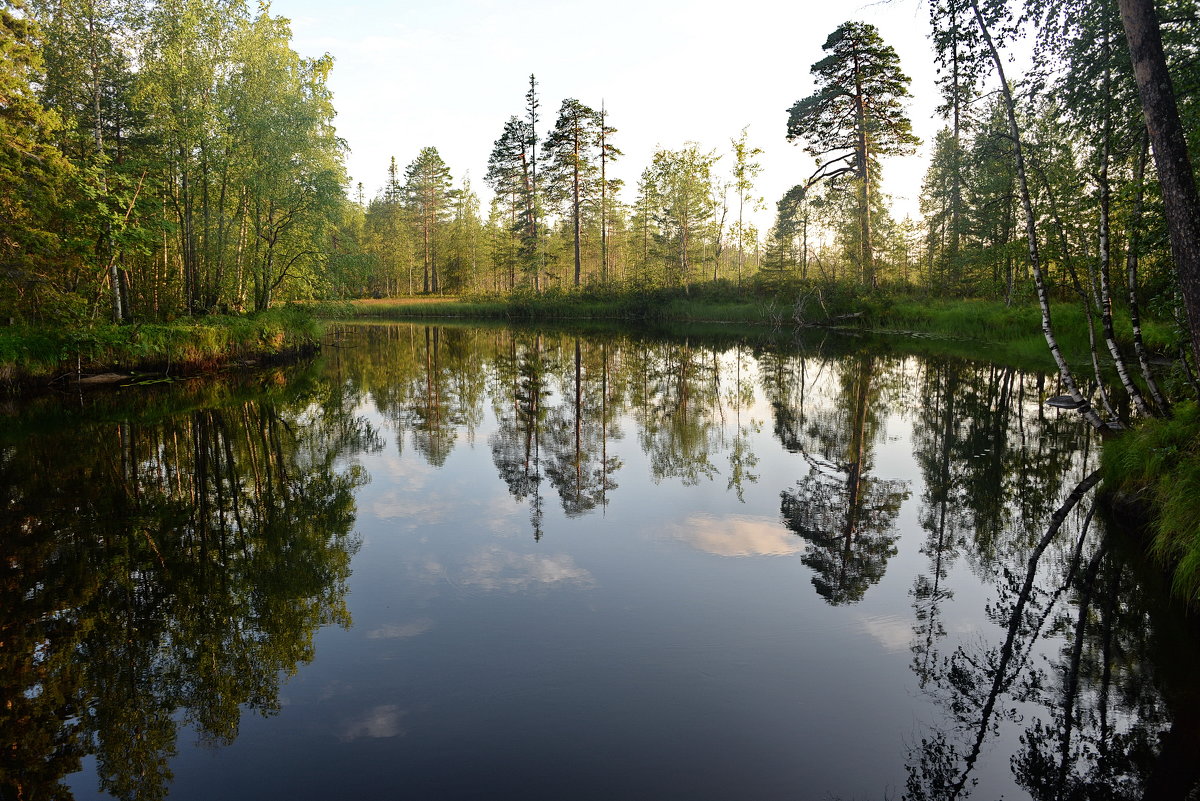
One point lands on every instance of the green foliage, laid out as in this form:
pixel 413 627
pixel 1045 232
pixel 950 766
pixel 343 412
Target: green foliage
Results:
pixel 165 631
pixel 855 116
pixel 677 189
pixel 37 352
pixel 428 191
pixel 204 172
pixel 1157 465
pixel 33 172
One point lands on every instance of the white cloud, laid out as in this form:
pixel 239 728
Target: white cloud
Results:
pixel 377 722
pixel 739 536
pixel 400 631
pixel 498 570
pixel 892 632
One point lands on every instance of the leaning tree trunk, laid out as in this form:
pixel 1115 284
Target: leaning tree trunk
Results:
pixel 1181 203
pixel 1086 302
pixel 1064 369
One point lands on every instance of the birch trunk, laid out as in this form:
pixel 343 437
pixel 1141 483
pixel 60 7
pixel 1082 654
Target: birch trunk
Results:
pixel 1064 369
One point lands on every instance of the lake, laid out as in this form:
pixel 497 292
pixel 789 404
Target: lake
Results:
pixel 447 561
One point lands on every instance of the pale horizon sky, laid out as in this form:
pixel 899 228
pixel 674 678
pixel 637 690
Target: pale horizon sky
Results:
pixel 449 74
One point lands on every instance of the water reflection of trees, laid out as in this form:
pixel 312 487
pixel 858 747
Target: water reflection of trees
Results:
pixel 166 570
pixel 173 569
pixel 579 466
pixel 1080 628
pixel 846 514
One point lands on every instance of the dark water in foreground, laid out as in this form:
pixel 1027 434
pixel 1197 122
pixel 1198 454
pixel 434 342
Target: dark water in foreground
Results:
pixel 486 563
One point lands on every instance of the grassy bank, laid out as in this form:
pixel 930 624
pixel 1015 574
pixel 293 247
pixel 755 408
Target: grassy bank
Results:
pixel 38 354
pixel 1156 467
pixel 967 328
pixel 1018 328
pixel 657 306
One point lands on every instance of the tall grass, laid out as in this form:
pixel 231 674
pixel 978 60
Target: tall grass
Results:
pixel 32 352
pixel 1157 464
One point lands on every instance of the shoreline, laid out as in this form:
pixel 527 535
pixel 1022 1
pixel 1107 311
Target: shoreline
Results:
pixel 38 358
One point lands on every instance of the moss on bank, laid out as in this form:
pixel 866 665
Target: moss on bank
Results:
pixel 1156 467
pixel 36 354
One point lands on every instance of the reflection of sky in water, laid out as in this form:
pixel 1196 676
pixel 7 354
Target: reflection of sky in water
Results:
pixel 739 536
pixel 616 657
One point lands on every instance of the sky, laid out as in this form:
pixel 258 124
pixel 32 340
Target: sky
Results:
pixel 449 73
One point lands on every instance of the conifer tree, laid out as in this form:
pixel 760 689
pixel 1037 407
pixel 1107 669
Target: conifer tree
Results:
pixel 570 173
pixel 855 117
pixel 428 191
pixel 608 186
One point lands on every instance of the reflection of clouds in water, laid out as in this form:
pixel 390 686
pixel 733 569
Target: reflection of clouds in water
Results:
pixel 494 569
pixel 399 631
pixel 429 509
pixel 377 722
pixel 890 631
pixel 739 536
pixel 333 689
pixel 407 472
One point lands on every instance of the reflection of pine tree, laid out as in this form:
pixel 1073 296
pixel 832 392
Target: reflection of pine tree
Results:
pixel 426 380
pixel 847 520
pixel 942 515
pixel 430 419
pixel 845 514
pixel 517 443
pixel 578 467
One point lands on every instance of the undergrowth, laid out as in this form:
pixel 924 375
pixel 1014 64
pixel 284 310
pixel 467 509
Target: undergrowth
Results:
pixel 36 352
pixel 1157 464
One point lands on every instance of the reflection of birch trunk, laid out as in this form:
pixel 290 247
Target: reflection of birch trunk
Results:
pixel 1000 678
pixel 946 432
pixel 1071 688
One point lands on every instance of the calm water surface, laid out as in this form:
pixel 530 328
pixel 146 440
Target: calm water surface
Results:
pixel 454 562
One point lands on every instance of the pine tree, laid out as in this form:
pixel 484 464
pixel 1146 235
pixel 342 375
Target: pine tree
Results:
pixel 428 191
pixel 510 175
pixel 608 186
pixel 569 176
pixel 855 116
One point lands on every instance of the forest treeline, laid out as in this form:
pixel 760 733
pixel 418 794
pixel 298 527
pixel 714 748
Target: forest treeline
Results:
pixel 178 158
pixel 161 159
